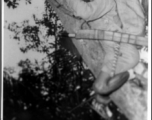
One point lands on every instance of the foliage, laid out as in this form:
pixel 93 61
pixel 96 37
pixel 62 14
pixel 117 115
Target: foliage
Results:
pixel 53 92
pixel 14 3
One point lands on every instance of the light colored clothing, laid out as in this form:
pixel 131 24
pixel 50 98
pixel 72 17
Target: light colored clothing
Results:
pixel 110 11
pixel 114 15
pixel 127 59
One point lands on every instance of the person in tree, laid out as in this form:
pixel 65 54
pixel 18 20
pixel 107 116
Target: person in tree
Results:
pixel 124 16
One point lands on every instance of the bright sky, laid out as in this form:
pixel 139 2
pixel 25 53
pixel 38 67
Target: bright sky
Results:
pixel 12 54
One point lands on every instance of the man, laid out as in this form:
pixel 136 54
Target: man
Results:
pixel 125 16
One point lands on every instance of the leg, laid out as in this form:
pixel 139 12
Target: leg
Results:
pixel 105 84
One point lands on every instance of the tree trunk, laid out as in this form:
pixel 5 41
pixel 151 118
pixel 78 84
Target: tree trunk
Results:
pixel 130 98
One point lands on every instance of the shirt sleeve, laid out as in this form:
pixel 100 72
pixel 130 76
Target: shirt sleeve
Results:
pixel 85 9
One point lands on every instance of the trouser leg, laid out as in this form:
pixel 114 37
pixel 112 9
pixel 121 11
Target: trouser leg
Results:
pixel 105 82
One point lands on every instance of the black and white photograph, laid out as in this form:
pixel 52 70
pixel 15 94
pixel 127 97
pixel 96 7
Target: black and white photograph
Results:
pixel 75 60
